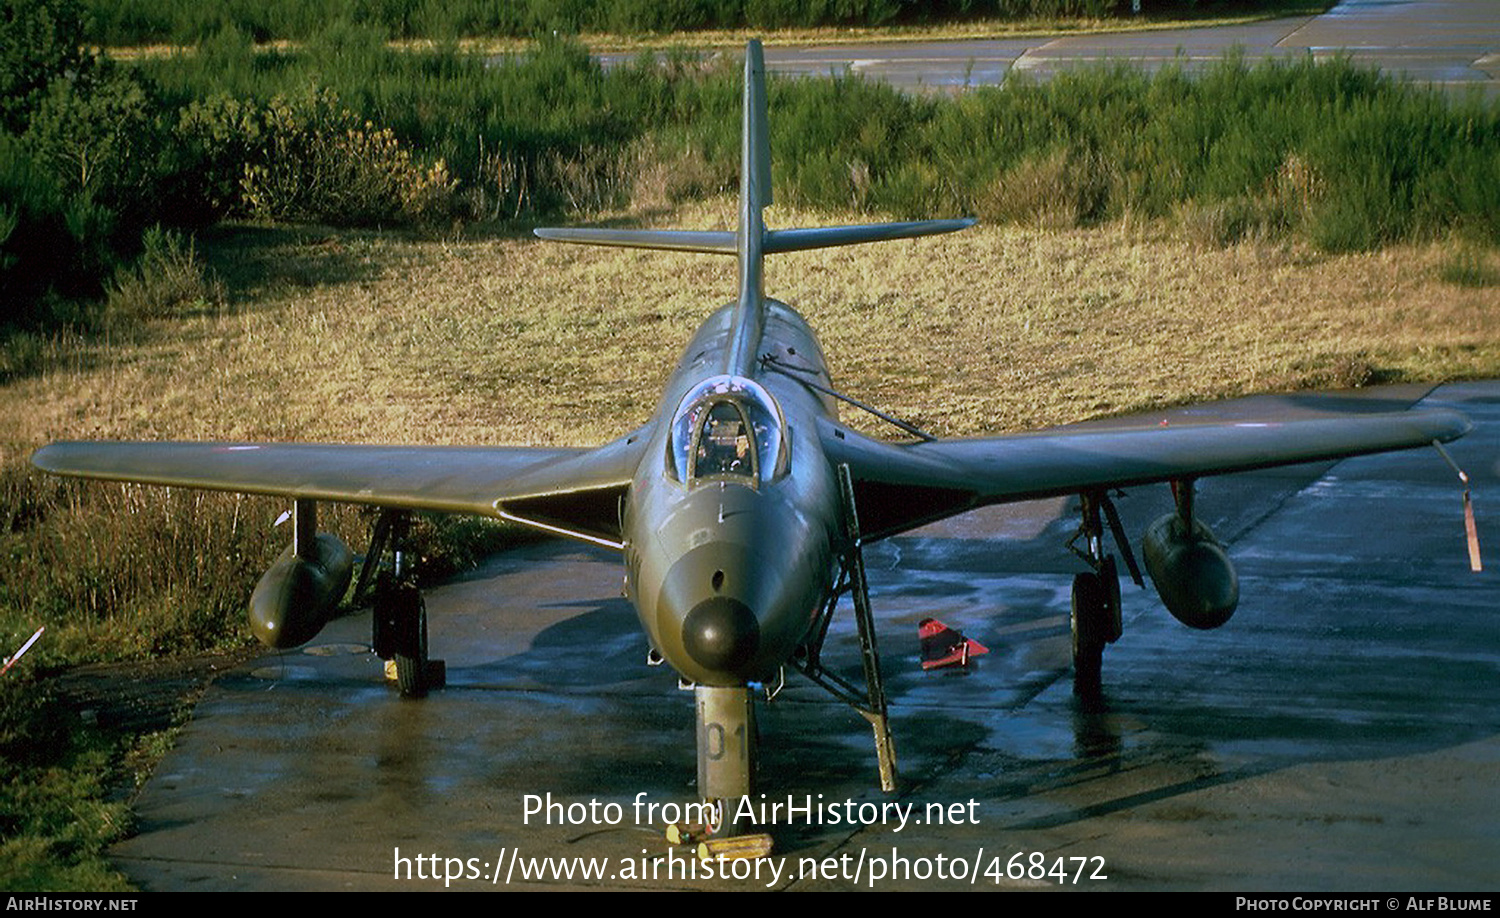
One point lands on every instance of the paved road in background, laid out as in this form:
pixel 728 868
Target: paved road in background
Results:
pixel 1450 43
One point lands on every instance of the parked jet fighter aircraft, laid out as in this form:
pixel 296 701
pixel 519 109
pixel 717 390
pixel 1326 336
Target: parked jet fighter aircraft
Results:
pixel 740 507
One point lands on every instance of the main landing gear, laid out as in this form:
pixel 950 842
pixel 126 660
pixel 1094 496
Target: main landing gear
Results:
pixel 1096 593
pixel 398 614
pixel 851 580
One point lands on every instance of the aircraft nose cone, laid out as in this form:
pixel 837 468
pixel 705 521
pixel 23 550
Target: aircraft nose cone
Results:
pixel 721 633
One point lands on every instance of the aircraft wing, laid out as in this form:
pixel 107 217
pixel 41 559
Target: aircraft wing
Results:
pixel 901 486
pixel 571 490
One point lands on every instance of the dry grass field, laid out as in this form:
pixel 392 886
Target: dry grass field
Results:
pixel 339 335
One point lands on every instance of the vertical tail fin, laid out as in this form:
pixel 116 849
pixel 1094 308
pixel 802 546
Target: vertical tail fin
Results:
pixel 755 178
pixel 751 242
pixel 755 195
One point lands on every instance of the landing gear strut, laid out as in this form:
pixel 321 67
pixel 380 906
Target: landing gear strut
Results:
pixel 726 752
pixel 1096 593
pixel 398 614
pixel 873 705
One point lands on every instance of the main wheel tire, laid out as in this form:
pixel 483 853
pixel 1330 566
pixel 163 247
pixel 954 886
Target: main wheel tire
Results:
pixel 411 644
pixel 383 618
pixel 1089 633
pixel 1109 581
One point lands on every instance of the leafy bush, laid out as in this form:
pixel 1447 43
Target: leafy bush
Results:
pixel 102 142
pixel 167 279
pixel 320 163
pixel 41 41
pixel 35 245
pixel 86 163
pixel 308 158
pixel 1338 154
pixel 1058 189
pixel 223 136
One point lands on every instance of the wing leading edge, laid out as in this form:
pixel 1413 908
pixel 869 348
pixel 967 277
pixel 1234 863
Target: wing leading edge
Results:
pixel 571 490
pixel 908 485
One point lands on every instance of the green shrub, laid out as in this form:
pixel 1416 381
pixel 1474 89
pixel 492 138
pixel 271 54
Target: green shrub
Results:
pixel 320 163
pixel 1334 152
pixel 223 136
pixel 40 42
pixel 103 142
pixel 1469 266
pixel 86 163
pixel 167 279
pixel 308 158
pixel 1060 189
pixel 53 247
pixel 35 245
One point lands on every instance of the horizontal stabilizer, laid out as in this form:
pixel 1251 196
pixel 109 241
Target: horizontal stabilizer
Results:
pixel 797 240
pixel 716 242
pixel 722 242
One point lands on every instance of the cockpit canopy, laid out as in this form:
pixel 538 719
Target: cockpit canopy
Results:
pixel 727 428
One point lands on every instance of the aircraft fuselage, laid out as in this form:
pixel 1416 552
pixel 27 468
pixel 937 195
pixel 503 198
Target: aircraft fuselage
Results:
pixel 733 515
